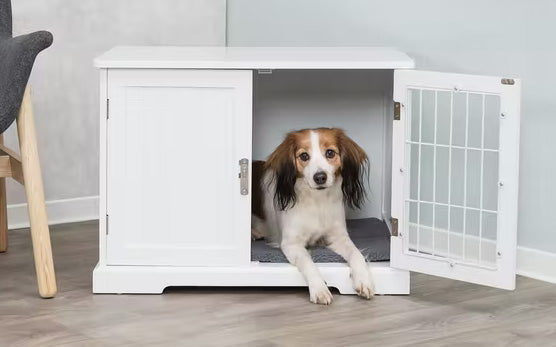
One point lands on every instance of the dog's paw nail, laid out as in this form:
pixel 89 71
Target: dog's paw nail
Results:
pixel 322 296
pixel 366 292
pixel 364 289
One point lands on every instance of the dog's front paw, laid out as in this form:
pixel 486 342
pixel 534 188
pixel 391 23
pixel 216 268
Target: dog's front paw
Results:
pixel 256 234
pixel 320 294
pixel 363 285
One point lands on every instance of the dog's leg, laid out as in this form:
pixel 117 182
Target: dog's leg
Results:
pixel 300 257
pixel 257 228
pixel 360 275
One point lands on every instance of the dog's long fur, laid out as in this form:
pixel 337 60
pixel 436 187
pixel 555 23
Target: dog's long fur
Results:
pixel 307 181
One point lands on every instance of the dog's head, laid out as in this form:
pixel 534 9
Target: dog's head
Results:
pixel 318 157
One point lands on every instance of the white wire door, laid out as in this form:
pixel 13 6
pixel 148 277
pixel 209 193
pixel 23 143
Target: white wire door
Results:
pixel 455 176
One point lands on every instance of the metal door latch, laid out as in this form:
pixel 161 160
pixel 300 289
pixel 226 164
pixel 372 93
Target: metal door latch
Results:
pixel 244 176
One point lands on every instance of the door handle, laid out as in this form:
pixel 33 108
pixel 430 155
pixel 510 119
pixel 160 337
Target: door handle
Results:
pixel 244 176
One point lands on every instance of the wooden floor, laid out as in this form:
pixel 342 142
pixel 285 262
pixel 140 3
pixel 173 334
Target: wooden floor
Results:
pixel 439 312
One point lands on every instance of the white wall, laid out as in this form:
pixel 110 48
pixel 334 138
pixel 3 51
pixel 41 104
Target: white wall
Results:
pixel 501 37
pixel 65 84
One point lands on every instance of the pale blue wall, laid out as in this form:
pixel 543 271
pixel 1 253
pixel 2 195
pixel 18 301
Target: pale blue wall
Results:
pixel 504 38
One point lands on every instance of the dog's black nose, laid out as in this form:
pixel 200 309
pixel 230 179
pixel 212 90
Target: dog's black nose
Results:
pixel 320 177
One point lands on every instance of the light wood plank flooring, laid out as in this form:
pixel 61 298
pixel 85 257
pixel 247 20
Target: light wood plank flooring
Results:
pixel 439 312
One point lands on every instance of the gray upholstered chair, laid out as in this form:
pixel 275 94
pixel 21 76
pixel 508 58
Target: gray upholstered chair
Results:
pixel 17 55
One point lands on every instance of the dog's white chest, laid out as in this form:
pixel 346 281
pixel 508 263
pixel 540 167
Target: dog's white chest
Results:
pixel 315 214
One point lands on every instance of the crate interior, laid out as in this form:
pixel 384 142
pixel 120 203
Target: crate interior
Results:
pixel 358 101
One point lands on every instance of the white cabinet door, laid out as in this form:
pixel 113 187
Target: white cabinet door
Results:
pixel 175 140
pixel 455 176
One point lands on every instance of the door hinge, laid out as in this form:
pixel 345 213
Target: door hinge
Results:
pixel 107 108
pixel 394 226
pixel 508 81
pixel 107 218
pixel 397 110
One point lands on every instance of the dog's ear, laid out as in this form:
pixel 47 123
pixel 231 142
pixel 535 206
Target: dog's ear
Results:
pixel 355 169
pixel 282 162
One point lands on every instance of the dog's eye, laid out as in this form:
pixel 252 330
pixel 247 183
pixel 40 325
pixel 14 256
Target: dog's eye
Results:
pixel 330 153
pixel 304 156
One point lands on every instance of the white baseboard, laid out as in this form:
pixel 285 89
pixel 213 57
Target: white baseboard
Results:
pixel 536 264
pixel 59 212
pixel 531 262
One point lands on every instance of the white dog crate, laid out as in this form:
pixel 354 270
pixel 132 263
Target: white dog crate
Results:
pixel 176 122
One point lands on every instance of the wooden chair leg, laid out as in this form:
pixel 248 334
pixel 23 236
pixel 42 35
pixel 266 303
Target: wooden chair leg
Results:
pixel 3 213
pixel 40 235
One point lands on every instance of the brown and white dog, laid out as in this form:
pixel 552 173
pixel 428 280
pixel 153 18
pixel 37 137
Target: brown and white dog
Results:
pixel 305 185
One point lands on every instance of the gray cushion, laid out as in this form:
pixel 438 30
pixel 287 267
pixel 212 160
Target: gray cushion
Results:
pixel 370 235
pixel 17 55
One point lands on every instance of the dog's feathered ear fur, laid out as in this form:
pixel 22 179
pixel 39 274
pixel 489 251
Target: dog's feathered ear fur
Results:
pixel 355 168
pixel 282 162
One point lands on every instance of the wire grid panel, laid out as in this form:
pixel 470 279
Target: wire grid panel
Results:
pixel 455 156
pixel 453 147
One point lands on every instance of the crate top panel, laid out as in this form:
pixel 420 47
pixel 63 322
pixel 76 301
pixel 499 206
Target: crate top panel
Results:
pixel 176 57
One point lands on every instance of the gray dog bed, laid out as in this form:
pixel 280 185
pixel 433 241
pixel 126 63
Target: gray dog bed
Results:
pixel 370 235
